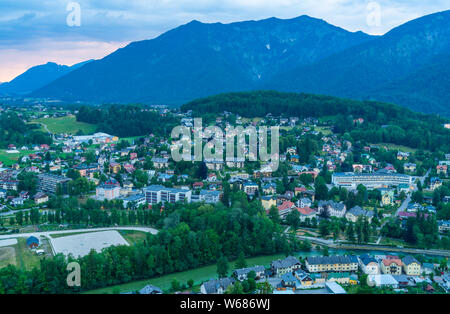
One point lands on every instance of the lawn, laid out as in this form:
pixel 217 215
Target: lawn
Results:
pixel 25 258
pixel 325 130
pixel 198 275
pixel 11 159
pixel 133 237
pixel 398 147
pixel 67 124
pixel 7 256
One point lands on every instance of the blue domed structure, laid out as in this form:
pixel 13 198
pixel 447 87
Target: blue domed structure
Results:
pixel 32 242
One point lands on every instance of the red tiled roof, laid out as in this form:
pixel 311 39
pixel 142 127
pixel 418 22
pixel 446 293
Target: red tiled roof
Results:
pixel 306 210
pixel 388 262
pixel 286 205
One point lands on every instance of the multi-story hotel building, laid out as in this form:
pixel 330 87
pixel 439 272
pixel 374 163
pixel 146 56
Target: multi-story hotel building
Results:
pixel 155 194
pixel 372 180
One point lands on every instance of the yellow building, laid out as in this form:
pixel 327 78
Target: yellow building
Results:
pixel 114 167
pixel 268 202
pixel 391 266
pixel 411 266
pixel 387 197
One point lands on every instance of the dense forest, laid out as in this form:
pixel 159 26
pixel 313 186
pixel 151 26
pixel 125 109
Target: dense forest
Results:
pixel 13 130
pixel 383 123
pixel 125 121
pixel 191 235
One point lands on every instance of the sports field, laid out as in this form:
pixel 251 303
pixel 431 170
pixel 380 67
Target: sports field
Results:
pixel 67 124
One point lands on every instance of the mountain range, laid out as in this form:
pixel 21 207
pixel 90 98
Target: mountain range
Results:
pixel 408 65
pixel 37 77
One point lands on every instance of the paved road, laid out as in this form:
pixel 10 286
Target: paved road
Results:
pixel 406 202
pixel 422 179
pixel 404 205
pixel 48 233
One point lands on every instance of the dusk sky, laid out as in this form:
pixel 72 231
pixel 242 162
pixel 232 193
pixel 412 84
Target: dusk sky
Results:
pixel 34 32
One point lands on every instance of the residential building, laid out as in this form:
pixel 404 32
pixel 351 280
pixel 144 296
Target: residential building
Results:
pixel 235 162
pixel 8 184
pixel 87 170
pixel 334 209
pixel 269 188
pixel 409 167
pixel 306 213
pixel 134 200
pixel 391 266
pixel 207 196
pixel 387 197
pixel 354 213
pixel 284 266
pixel 216 286
pixel 49 183
pixel 435 183
pixel 444 226
pixel 303 277
pixel 40 198
pixel 285 208
pixel 369 265
pixel 155 194
pixel 150 289
pixel 441 169
pixel 318 264
pixel 250 188
pixel 242 273
pixel 114 167
pixel 215 165
pixel 304 202
pixel 268 201
pixel 108 191
pixel 288 280
pixel 411 266
pixel 160 163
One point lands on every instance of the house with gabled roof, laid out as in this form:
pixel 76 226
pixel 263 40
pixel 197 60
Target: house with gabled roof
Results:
pixel 287 265
pixel 369 265
pixel 391 266
pixel 242 273
pixel 411 266
pixel 216 286
pixel 354 213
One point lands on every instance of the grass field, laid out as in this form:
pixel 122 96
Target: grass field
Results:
pixel 133 237
pixel 25 258
pixel 398 147
pixel 7 256
pixel 198 275
pixel 324 130
pixel 11 159
pixel 67 124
